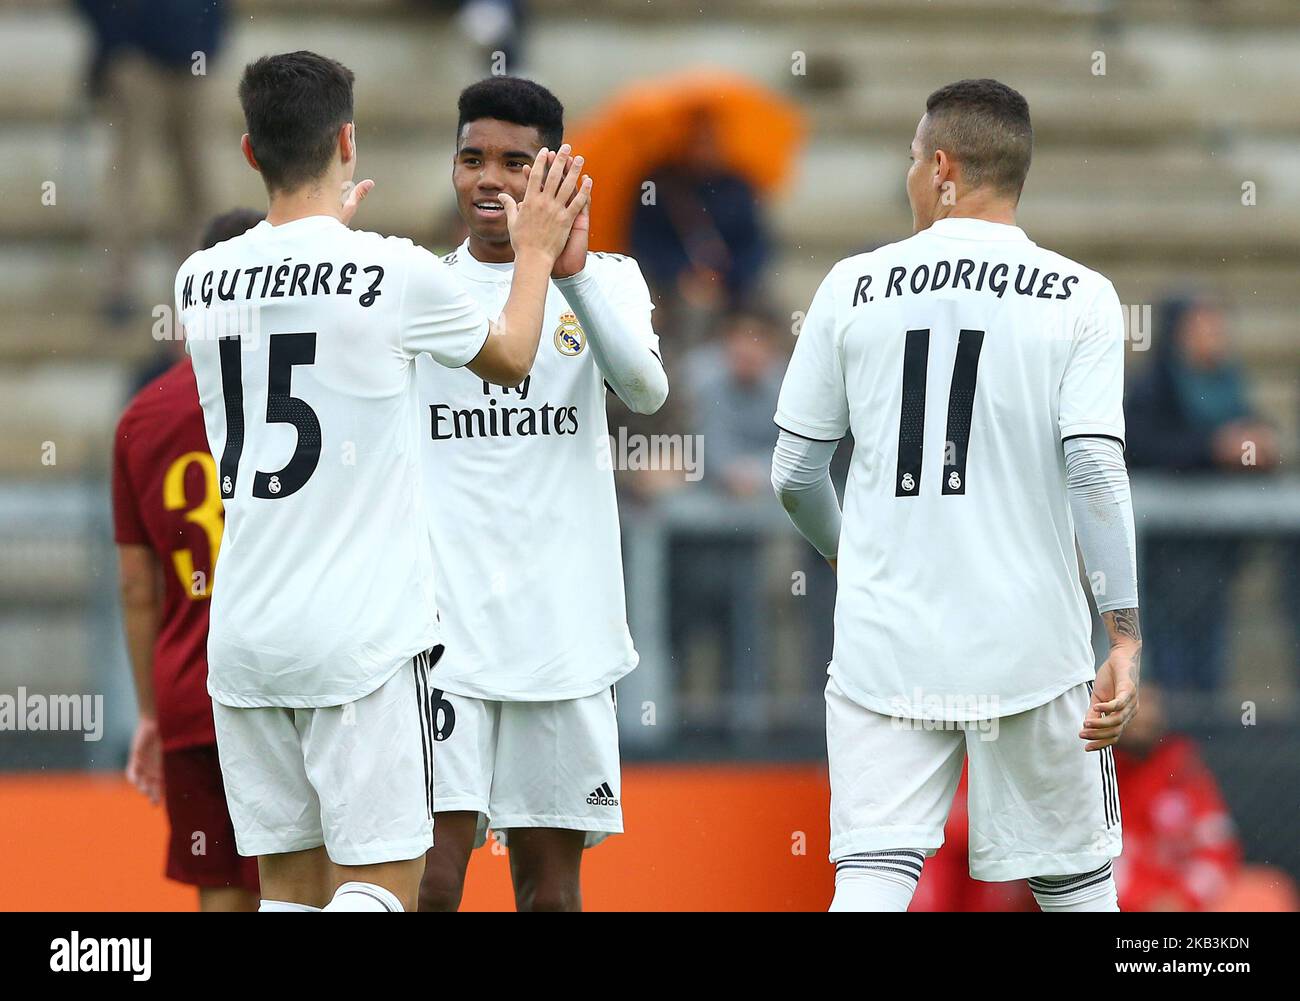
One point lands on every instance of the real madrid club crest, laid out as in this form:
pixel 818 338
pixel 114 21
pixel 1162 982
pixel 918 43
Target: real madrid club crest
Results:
pixel 569 338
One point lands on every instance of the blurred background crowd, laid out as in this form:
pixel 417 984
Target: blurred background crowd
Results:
pixel 738 154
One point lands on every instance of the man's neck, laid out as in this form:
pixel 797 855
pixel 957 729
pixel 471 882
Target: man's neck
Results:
pixel 318 198
pixel 491 253
pixel 977 206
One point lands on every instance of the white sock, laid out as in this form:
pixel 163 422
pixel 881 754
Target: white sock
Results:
pixel 1087 891
pixel 363 897
pixel 877 881
pixel 284 905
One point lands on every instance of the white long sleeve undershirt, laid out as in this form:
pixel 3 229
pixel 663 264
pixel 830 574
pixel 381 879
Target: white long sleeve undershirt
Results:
pixel 1096 481
pixel 801 477
pixel 618 343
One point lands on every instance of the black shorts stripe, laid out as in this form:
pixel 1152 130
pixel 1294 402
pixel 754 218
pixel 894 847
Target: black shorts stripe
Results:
pixel 1105 787
pixel 1109 781
pixel 430 659
pixel 1112 784
pixel 426 741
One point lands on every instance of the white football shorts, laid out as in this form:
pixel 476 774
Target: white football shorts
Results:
pixel 529 764
pixel 354 778
pixel 1040 805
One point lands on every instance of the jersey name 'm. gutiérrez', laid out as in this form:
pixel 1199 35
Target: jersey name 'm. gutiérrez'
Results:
pixel 284 281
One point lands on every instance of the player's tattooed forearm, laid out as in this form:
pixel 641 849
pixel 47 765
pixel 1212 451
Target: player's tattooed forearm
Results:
pixel 1124 622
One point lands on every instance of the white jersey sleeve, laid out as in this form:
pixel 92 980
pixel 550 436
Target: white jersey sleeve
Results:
pixel 438 316
pixel 612 304
pixel 813 403
pixel 1092 388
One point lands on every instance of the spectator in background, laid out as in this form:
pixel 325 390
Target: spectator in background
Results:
pixel 148 67
pixel 493 26
pixel 701 240
pixel 1181 851
pixel 1190 413
pixel 733 386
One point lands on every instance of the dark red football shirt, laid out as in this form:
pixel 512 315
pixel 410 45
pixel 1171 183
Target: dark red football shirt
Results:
pixel 165 496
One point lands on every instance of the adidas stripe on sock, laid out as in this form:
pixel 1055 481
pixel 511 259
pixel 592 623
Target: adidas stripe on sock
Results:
pixel 877 881
pixel 1086 891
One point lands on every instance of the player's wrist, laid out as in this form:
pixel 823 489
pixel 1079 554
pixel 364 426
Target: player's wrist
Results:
pixel 573 278
pixel 530 259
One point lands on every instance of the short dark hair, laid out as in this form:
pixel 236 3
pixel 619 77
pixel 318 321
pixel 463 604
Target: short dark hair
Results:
pixel 294 105
pixel 516 100
pixel 229 225
pixel 983 125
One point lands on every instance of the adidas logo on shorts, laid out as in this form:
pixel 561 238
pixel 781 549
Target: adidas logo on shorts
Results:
pixel 602 795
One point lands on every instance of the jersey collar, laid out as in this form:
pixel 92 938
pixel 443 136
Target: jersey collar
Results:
pixel 976 229
pixel 307 222
pixel 472 268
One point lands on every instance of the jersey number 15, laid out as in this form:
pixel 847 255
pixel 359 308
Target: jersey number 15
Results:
pixel 285 351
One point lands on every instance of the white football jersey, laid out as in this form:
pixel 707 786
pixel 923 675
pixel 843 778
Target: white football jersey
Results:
pixel 961 358
pixel 303 337
pixel 520 490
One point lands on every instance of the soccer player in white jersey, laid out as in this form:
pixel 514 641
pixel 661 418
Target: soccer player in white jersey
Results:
pixel 525 533
pixel 982 377
pixel 304 335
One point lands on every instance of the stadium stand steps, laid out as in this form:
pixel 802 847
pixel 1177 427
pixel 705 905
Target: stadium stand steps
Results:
pixel 1113 183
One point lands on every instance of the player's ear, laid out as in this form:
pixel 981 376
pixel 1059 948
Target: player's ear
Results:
pixel 247 148
pixel 348 142
pixel 943 169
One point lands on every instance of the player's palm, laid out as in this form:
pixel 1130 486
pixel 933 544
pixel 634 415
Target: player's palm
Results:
pixel 573 258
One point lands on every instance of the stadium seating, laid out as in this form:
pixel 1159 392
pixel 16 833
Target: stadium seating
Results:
pixel 1138 172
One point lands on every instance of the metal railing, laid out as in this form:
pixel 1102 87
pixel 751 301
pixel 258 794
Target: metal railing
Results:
pixel 56 555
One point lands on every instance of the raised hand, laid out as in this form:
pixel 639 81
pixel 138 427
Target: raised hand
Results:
pixel 573 258
pixel 556 195
pixel 352 198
